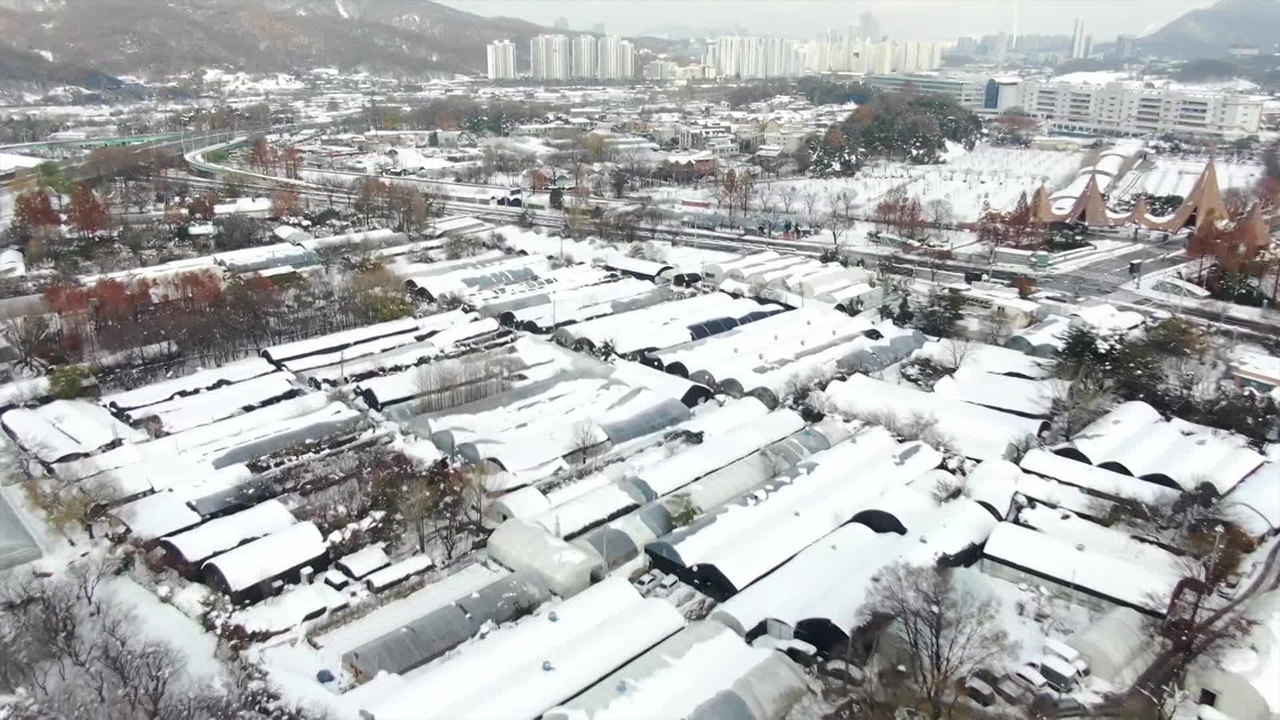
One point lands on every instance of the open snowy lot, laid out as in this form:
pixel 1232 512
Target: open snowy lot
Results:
pixel 997 176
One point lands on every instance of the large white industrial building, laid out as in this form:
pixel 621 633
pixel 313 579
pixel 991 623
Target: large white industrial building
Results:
pixel 1114 108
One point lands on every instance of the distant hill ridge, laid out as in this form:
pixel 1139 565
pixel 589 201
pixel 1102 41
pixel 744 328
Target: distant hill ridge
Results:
pixel 414 38
pixel 1212 31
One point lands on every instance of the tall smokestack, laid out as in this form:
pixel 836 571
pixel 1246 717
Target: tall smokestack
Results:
pixel 1016 4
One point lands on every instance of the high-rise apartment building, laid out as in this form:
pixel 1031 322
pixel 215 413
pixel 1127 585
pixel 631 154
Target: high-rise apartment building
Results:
pixel 585 63
pixel 1078 49
pixel 615 58
pixel 918 57
pixel 755 57
pixel 501 55
pixel 549 57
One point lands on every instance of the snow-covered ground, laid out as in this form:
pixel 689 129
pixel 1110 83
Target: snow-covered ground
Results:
pixel 6 209
pixel 997 176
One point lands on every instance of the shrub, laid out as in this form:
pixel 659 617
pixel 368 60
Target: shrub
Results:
pixel 69 381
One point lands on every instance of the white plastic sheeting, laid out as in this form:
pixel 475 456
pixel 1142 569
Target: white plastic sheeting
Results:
pixel 977 432
pixel 1133 438
pixel 967 355
pixel 549 656
pixel 398 572
pixel 719 270
pixel 1112 645
pixel 291 608
pixel 227 532
pixel 363 561
pixel 565 569
pixel 590 302
pixel 17 546
pixel 1116 543
pixel 657 326
pixel 1090 477
pixel 446 341
pixel 189 411
pixel 680 470
pixel 187 384
pixel 192 446
pixel 65 429
pixel 1044 339
pixel 1254 504
pixel 747 540
pixel 266 558
pixel 1033 398
pixel 683 673
pixel 1096 571
pixel 831 578
pixel 155 516
pixel 768 340
pixel 339 340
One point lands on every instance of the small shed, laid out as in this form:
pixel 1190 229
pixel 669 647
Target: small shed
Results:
pixel 364 561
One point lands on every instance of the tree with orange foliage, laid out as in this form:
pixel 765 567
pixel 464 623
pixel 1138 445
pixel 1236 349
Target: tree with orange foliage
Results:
pixel 261 157
pixel 202 207
pixel 291 160
pixel 33 209
pixel 538 180
pixel 370 198
pixel 284 203
pixel 87 214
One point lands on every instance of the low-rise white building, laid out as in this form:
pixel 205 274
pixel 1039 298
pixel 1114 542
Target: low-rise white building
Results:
pixel 1119 108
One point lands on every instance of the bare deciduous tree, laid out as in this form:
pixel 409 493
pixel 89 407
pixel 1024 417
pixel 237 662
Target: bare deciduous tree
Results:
pixel 809 199
pixel 1076 405
pixel 585 443
pixel 26 334
pixel 958 350
pixel 789 195
pixel 944 630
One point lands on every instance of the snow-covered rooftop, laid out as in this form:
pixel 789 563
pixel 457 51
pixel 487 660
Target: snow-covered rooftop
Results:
pixel 977 432
pixel 550 656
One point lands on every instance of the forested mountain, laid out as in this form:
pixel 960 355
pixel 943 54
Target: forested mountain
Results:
pixel 1212 31
pixel 415 38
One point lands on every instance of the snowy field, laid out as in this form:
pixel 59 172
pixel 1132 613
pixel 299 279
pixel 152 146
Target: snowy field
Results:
pixel 987 174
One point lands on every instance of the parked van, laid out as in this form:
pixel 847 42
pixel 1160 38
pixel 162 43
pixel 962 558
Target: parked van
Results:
pixel 1029 676
pixel 1060 674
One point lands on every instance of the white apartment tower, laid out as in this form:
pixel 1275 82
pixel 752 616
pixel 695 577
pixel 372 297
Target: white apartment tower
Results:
pixel 585 63
pixel 615 58
pixel 502 60
pixel 1078 48
pixel 755 57
pixel 549 57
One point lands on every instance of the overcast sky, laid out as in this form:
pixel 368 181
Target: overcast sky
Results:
pixel 902 19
